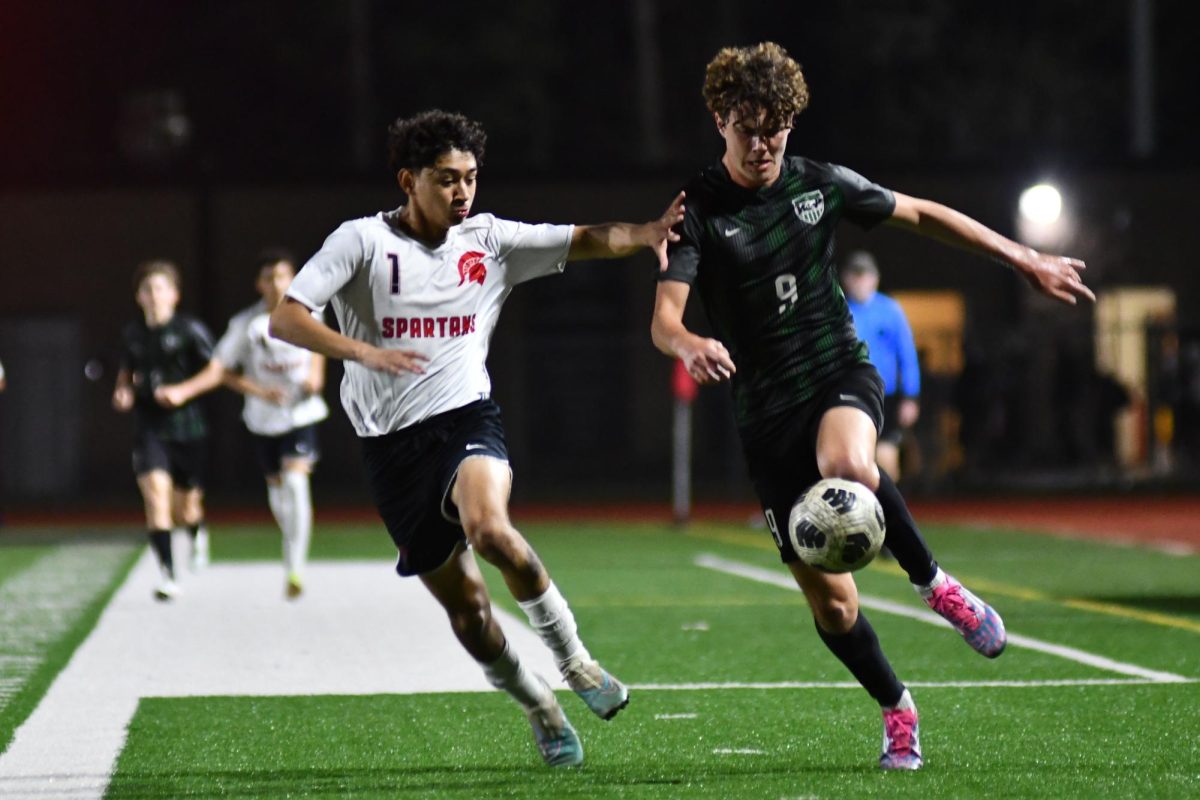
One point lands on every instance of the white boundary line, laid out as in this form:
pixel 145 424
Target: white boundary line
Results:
pixel 694 687
pixel 359 630
pixel 751 572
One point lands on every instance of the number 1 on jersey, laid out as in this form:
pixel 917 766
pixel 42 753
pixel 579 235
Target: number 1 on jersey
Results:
pixel 395 259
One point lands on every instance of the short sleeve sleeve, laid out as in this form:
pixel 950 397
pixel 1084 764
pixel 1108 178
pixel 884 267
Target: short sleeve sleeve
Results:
pixel 202 340
pixel 231 347
pixel 331 268
pixel 867 203
pixel 683 257
pixel 530 251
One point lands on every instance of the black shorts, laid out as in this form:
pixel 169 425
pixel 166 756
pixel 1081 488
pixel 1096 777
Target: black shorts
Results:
pixel 271 451
pixel 891 431
pixel 411 473
pixel 784 465
pixel 184 460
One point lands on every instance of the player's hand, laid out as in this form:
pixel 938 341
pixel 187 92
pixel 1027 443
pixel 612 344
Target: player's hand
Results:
pixel 276 395
pixel 394 362
pixel 661 233
pixel 907 412
pixel 122 399
pixel 706 360
pixel 170 396
pixel 1056 276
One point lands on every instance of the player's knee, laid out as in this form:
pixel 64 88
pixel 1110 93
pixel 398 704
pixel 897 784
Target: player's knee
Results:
pixel 835 615
pixel 470 621
pixel 493 537
pixel 852 466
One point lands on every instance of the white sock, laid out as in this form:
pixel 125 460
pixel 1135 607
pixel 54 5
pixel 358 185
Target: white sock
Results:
pixel 278 501
pixel 926 591
pixel 509 674
pixel 905 703
pixel 552 619
pixel 296 487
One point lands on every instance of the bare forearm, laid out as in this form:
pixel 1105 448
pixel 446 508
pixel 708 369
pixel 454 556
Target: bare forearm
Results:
pixel 667 334
pixel 610 240
pixel 956 229
pixel 293 323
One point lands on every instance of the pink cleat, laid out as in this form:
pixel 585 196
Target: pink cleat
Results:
pixel 901 738
pixel 978 622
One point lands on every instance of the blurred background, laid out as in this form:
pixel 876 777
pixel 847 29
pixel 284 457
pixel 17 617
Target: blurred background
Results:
pixel 203 132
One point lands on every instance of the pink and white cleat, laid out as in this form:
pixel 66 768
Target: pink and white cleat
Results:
pixel 901 737
pixel 978 622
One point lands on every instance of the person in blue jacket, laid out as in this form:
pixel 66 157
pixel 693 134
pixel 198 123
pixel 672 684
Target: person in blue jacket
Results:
pixel 881 323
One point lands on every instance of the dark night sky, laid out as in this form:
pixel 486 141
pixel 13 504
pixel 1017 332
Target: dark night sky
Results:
pixel 266 87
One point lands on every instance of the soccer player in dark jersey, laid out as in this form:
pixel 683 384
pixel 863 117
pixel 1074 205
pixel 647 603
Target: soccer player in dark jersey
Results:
pixel 757 244
pixel 158 352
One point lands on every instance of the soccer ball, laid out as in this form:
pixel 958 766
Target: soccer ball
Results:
pixel 837 526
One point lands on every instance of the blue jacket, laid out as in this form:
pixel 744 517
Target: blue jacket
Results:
pixel 881 324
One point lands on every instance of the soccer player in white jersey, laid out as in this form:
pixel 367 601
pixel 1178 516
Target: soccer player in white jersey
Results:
pixel 282 384
pixel 417 292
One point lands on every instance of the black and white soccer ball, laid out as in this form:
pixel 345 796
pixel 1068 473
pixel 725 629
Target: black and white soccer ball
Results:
pixel 837 526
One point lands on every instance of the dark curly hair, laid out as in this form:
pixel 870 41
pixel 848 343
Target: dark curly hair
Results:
pixel 749 80
pixel 417 142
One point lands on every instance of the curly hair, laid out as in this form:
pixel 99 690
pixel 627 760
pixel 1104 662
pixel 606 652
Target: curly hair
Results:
pixel 417 142
pixel 749 80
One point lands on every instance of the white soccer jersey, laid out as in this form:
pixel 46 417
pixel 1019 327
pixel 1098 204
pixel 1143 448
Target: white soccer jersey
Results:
pixel 272 363
pixel 390 290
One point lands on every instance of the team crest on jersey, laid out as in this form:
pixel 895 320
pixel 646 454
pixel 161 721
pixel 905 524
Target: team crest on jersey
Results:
pixel 471 268
pixel 810 206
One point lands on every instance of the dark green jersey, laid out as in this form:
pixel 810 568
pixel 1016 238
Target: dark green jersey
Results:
pixel 762 262
pixel 160 357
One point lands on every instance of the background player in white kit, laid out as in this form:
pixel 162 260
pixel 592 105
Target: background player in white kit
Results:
pixel 282 384
pixel 417 292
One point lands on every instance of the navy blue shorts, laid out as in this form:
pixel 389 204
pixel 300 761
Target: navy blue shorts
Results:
pixel 412 471
pixel 272 451
pixel 783 465
pixel 184 460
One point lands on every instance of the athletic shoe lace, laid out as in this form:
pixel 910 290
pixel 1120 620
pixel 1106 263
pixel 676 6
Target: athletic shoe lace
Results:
pixel 898 725
pixel 948 601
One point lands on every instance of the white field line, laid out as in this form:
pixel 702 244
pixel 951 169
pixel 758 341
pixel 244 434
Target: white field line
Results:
pixel 41 602
pixel 773 578
pixel 358 630
pixel 694 687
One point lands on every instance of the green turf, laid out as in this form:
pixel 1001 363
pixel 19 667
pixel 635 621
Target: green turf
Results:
pixel 656 618
pixel 51 652
pixel 751 743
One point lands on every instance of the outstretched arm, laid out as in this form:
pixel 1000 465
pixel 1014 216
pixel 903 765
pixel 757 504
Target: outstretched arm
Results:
pixel 618 239
pixel 706 360
pixel 1055 276
pixel 293 322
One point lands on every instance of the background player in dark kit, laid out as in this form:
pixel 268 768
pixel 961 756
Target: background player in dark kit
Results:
pixel 157 352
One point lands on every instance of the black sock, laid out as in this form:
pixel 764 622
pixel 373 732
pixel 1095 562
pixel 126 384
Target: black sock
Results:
pixel 194 530
pixel 903 538
pixel 858 648
pixel 160 541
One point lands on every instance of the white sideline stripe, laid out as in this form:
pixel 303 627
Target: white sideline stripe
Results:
pixel 359 629
pixel 761 575
pixel 695 687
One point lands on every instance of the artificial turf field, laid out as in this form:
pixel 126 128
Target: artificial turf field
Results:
pixel 733 696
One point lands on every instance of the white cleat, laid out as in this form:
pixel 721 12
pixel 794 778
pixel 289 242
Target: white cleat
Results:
pixel 167 591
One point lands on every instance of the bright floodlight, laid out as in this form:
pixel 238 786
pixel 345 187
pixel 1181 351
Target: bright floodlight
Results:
pixel 1041 204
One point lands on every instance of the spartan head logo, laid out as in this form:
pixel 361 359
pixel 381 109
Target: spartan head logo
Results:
pixel 471 268
pixel 809 206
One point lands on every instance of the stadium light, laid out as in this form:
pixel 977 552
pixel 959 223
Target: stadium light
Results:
pixel 1043 220
pixel 1041 204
